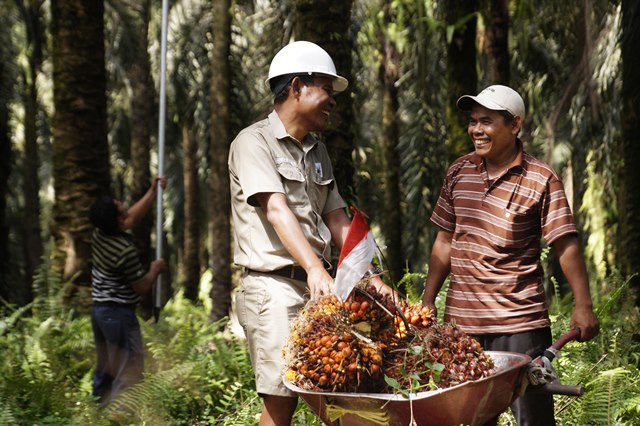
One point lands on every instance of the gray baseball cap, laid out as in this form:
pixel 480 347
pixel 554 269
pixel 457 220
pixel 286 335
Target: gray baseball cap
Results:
pixel 497 98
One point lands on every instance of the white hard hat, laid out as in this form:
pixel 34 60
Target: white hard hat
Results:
pixel 497 98
pixel 304 57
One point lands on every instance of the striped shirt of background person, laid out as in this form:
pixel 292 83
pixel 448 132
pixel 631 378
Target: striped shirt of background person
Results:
pixel 116 266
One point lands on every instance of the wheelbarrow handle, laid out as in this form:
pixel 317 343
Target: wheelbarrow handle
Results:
pixel 557 389
pixel 552 351
pixel 566 338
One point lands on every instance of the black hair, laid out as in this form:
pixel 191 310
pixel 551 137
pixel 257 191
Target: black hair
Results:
pixel 280 85
pixel 508 117
pixel 104 215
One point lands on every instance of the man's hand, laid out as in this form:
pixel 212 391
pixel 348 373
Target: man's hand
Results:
pixel 160 179
pixel 383 288
pixel 157 266
pixel 319 281
pixel 432 308
pixel 144 285
pixel 584 319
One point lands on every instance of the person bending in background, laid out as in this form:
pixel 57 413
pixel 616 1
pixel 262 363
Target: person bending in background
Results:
pixel 118 280
pixel 494 206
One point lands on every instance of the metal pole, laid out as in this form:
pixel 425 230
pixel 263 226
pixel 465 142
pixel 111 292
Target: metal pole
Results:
pixel 157 296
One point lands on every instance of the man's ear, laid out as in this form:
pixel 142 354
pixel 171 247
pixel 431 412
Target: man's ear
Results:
pixel 296 86
pixel 517 125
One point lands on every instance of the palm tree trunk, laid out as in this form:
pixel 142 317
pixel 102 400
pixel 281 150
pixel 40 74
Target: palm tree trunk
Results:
pixel 31 182
pixel 79 129
pixel 389 74
pixel 142 118
pixel 496 17
pixel 462 77
pixel 31 187
pixel 629 193
pixel 6 156
pixel 220 141
pixel 33 247
pixel 314 21
pixel 191 245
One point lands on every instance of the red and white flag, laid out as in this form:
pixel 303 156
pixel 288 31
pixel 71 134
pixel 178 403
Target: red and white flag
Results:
pixel 355 257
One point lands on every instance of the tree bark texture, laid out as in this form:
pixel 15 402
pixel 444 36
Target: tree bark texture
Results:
pixel 6 157
pixel 462 77
pixel 80 150
pixel 142 106
pixel 496 17
pixel 629 194
pixel 220 142
pixel 327 24
pixel 389 74
pixel 33 248
pixel 191 243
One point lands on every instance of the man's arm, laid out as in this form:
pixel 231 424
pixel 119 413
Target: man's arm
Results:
pixel 573 267
pixel 137 211
pixel 338 223
pixel 439 268
pixel 288 229
pixel 143 285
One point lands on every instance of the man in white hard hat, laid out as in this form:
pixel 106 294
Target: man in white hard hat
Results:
pixel 287 213
pixel 495 205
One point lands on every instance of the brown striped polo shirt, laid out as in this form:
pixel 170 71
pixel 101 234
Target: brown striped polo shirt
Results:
pixel 496 275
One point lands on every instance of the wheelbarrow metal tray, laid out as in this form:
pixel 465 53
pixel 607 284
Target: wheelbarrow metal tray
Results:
pixel 470 403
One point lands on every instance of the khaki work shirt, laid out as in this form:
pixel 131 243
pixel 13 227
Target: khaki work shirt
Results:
pixel 265 158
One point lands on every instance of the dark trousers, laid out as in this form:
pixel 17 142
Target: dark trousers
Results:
pixel 531 408
pixel 119 352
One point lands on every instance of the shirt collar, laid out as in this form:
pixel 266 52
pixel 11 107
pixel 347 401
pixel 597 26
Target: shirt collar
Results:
pixel 280 132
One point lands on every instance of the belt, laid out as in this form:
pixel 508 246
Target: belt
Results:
pixel 292 272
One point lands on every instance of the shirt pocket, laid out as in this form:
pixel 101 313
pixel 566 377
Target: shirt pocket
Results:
pixel 518 226
pixel 294 182
pixel 320 192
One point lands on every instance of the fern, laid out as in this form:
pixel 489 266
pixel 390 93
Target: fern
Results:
pixel 7 417
pixel 9 322
pixel 413 283
pixel 606 398
pixel 147 400
pixel 200 374
pixel 246 414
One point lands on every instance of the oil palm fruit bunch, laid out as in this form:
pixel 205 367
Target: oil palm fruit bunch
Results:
pixel 438 356
pixel 332 346
pixel 350 346
pixel 417 316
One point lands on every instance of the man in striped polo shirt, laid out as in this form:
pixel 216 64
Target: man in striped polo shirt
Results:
pixel 118 281
pixel 495 205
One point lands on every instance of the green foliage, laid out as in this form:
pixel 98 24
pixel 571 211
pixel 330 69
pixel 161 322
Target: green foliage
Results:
pixel 607 366
pixel 195 372
pixel 43 361
pixel 200 373
pixel 413 282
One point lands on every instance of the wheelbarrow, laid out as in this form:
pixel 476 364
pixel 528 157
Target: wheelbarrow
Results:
pixel 470 403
